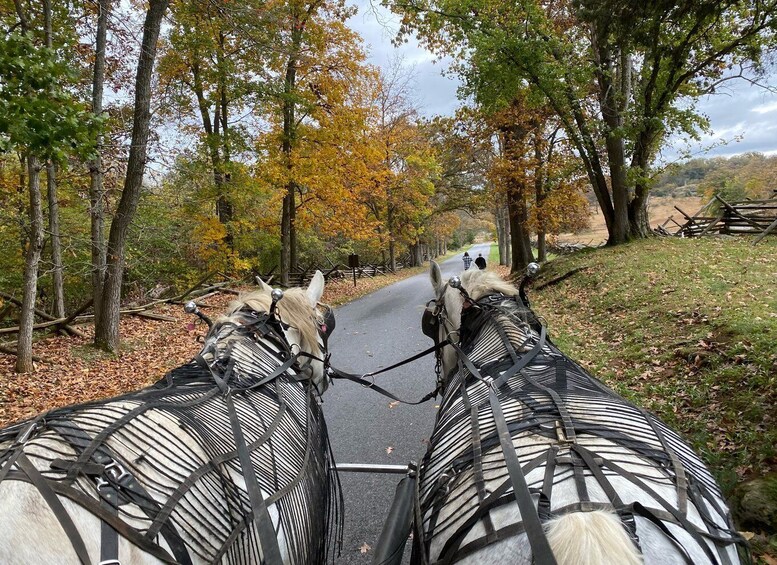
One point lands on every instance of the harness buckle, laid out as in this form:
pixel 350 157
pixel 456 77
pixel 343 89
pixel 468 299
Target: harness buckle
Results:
pixel 115 471
pixel 110 562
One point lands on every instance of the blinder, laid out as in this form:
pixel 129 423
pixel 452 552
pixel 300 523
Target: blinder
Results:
pixel 327 325
pixel 430 321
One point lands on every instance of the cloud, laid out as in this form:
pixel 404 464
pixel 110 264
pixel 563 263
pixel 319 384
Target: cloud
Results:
pixel 434 93
pixel 739 111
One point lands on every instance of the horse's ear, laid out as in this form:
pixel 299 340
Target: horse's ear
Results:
pixel 435 275
pixel 263 285
pixel 315 289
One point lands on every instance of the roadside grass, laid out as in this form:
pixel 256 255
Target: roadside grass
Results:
pixel 686 328
pixel 493 255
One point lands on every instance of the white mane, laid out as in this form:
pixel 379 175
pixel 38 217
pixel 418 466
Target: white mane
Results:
pixel 298 311
pixel 478 283
pixel 293 310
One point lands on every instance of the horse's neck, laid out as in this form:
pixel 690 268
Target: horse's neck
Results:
pixel 497 336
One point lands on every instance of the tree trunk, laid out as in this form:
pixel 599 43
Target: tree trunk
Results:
pixel 224 205
pixel 21 211
pixel 56 244
pixel 540 190
pixel 639 223
pixel 502 234
pixel 518 214
pixel 609 104
pixel 288 221
pixel 58 292
pixel 107 331
pixel 519 235
pixel 390 229
pixel 285 246
pixel 96 189
pixel 31 263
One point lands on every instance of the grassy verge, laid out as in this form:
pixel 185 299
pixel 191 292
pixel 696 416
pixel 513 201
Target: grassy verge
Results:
pixel 685 328
pixel 493 254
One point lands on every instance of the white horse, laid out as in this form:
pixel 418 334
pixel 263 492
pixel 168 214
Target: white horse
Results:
pixel 534 460
pixel 225 460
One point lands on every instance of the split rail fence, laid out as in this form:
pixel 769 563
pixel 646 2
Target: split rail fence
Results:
pixel 301 277
pixel 756 217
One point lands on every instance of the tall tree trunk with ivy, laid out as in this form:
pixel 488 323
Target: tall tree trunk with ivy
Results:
pixel 107 328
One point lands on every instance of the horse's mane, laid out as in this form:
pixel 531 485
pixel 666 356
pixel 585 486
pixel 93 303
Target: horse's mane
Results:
pixel 479 283
pixel 294 309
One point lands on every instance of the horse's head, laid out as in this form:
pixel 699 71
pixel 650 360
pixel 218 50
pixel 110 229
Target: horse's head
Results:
pixel 304 322
pixel 453 299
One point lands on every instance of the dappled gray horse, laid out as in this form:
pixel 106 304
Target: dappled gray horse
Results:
pixel 224 460
pixel 534 460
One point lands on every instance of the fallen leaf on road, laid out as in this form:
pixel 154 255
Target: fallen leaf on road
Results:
pixel 394 404
pixel 364 548
pixel 389 449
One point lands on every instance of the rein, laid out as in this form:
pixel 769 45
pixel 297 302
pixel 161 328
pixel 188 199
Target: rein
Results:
pixel 361 379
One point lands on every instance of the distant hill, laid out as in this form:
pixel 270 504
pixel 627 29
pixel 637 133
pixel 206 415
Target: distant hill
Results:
pixel 751 175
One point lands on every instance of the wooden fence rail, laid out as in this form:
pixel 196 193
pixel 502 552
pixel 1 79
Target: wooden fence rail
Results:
pixel 757 217
pixel 302 277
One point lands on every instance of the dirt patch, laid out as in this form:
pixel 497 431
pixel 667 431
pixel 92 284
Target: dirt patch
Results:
pixel 660 209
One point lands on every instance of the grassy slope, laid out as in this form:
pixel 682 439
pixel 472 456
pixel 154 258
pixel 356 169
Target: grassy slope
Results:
pixel 687 329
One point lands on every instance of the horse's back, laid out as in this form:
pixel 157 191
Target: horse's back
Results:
pixel 33 535
pixel 185 483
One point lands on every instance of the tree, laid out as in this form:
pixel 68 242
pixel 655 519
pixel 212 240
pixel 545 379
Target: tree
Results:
pixel 39 117
pixel 314 104
pixel 405 168
pixel 107 325
pixel 213 62
pixel 96 179
pixel 619 76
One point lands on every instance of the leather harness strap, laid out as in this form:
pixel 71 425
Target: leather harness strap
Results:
pixel 56 506
pixel 109 538
pixel 268 538
pixel 362 380
pixel 110 485
pixel 531 520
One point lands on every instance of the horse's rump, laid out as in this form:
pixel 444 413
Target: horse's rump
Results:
pixel 172 453
pixel 581 447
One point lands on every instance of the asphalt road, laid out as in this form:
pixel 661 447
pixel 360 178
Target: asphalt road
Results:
pixel 373 332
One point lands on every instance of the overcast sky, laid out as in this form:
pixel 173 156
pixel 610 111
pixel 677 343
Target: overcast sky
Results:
pixel 740 111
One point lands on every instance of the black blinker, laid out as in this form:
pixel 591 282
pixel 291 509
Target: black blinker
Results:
pixel 328 325
pixel 430 323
